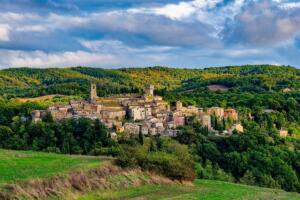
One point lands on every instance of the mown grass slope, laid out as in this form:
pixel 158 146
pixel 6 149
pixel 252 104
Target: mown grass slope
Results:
pixel 21 165
pixel 202 190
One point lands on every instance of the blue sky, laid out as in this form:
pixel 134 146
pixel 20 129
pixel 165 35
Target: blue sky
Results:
pixel 136 33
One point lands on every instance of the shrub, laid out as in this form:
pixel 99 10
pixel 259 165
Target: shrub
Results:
pixel 173 160
pixel 211 172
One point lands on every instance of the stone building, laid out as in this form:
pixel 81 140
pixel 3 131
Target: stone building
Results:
pixel 37 115
pixel 137 112
pixel 286 90
pixel 176 119
pixel 217 111
pixel 144 129
pixel 186 111
pixel 149 90
pixel 238 127
pixel 132 128
pixel 205 120
pixel 150 114
pixel 231 113
pixel 93 93
pixel 178 105
pixel 283 133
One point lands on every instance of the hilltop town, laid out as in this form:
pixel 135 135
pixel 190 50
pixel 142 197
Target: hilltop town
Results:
pixel 218 125
pixel 134 113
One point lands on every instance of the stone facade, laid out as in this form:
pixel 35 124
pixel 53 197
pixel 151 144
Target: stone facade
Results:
pixel 283 133
pixel 217 111
pixel 205 120
pixel 231 113
pixel 37 115
pixel 132 128
pixel 137 112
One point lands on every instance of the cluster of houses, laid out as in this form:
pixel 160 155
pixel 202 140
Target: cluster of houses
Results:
pixel 135 114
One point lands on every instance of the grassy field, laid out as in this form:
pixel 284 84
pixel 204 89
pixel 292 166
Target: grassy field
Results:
pixel 202 190
pixel 21 165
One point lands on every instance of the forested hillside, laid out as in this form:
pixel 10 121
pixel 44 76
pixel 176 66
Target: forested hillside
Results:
pixel 66 81
pixel 37 82
pixel 25 81
pixel 266 97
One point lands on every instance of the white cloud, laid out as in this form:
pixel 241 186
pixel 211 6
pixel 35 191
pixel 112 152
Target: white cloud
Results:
pixel 179 11
pixel 32 28
pixel 243 52
pixel 42 59
pixel 160 30
pixel 66 21
pixel 118 47
pixel 292 5
pixel 177 34
pixel 4 32
pixel 18 22
pixel 173 11
pixel 263 23
pixel 12 17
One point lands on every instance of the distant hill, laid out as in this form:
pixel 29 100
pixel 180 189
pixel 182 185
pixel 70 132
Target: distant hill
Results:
pixel 31 82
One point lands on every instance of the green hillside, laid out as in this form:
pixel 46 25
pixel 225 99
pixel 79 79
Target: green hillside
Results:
pixel 202 190
pixel 26 165
pixel 71 81
pixel 20 166
pixel 266 97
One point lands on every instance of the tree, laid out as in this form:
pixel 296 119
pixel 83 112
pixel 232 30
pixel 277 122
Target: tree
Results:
pixel 186 135
pixel 8 139
pixel 248 179
pixel 152 146
pixel 141 138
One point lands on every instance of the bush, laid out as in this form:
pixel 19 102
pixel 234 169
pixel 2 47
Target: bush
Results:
pixel 107 151
pixel 173 160
pixel 211 172
pixel 248 179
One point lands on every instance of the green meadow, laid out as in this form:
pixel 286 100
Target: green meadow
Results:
pixel 202 190
pixel 24 165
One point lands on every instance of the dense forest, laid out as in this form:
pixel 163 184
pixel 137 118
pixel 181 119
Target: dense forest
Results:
pixel 266 97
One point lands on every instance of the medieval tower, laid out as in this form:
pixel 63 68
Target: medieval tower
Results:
pixel 93 93
pixel 149 90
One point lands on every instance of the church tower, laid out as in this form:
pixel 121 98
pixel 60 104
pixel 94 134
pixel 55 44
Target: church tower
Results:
pixel 93 93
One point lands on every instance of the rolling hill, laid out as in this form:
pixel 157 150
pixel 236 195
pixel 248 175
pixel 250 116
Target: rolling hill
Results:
pixel 202 190
pixel 26 170
pixel 268 160
pixel 28 82
pixel 25 165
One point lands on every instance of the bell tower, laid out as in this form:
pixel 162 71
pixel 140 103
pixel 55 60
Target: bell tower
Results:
pixel 93 93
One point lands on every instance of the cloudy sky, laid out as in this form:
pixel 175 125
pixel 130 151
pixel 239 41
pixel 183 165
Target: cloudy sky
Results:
pixel 126 33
